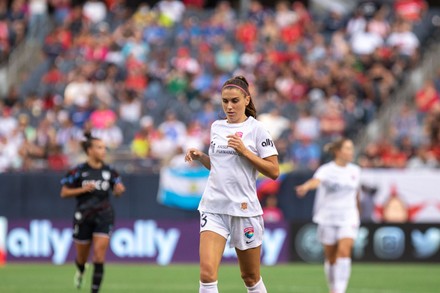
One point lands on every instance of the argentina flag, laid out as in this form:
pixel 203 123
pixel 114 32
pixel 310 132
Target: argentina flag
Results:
pixel 182 187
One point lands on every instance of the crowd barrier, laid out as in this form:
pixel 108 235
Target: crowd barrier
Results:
pixel 165 241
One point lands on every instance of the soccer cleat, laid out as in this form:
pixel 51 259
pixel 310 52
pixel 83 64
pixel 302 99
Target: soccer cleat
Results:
pixel 79 279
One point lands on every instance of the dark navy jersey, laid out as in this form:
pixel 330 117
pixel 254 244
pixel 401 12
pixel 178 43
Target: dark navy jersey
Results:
pixel 104 179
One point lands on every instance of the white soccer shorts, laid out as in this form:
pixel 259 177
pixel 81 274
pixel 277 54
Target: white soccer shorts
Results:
pixel 245 232
pixel 330 235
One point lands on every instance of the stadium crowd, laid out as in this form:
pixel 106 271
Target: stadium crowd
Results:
pixel 147 81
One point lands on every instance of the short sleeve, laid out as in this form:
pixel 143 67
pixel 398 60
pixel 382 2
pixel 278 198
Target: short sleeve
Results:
pixel 72 178
pixel 320 173
pixel 265 145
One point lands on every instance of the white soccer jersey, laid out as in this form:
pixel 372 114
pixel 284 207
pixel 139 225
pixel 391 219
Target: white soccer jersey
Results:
pixel 231 186
pixel 335 202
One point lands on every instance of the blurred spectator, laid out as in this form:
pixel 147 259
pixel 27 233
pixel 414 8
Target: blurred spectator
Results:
pixel 357 23
pixel 274 122
pixel 224 14
pixel 184 62
pixel 78 91
pixel 95 11
pixel 284 16
pixel 170 11
pixel 392 156
pixel 305 154
pixel 102 117
pixel 332 122
pixel 227 58
pixel 111 134
pixel 307 125
pixel 271 212
pixel 208 114
pixel 365 42
pixel 379 24
pixel 173 129
pixel 130 108
pixel 135 47
pixel 163 148
pixel 411 10
pixel 68 135
pixel 370 158
pixel 405 124
pixel 424 159
pixel 257 14
pixel 381 82
pixel 427 98
pixel 404 40
pixel 334 21
pixel 8 123
pixel 141 144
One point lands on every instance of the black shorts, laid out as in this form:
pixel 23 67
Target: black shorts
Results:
pixel 87 223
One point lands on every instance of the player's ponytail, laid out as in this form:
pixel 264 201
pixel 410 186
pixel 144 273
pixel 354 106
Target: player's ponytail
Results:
pixel 87 143
pixel 241 83
pixel 335 146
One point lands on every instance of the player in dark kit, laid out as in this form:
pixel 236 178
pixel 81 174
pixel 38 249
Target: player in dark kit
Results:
pixel 91 183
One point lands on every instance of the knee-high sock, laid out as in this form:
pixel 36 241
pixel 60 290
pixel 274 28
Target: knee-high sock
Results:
pixel 342 274
pixel 329 270
pixel 208 287
pixel 98 273
pixel 80 267
pixel 257 288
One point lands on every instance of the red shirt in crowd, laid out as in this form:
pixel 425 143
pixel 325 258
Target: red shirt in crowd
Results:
pixel 427 98
pixel 410 9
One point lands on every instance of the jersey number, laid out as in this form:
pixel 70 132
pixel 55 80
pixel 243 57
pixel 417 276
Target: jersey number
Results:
pixel 203 220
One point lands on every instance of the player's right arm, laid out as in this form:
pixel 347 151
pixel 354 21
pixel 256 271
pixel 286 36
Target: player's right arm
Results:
pixel 311 184
pixel 72 185
pixel 194 154
pixel 72 192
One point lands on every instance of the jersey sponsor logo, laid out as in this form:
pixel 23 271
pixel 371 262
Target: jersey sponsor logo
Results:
pixel 249 242
pixel 267 143
pixel 106 175
pixel 85 174
pixel 249 232
pixel 99 184
pixel 244 206
pixel 212 147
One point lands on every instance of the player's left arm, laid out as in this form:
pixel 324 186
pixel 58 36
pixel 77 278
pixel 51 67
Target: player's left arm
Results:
pixel 267 166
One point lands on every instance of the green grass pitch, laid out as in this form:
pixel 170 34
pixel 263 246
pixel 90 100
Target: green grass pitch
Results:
pixel 300 278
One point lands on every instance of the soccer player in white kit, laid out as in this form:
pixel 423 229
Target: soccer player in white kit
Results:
pixel 240 148
pixel 336 211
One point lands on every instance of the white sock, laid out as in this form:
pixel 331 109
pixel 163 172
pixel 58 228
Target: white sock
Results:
pixel 257 288
pixel 342 274
pixel 329 270
pixel 208 287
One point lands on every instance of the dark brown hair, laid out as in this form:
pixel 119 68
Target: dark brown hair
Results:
pixel 86 144
pixel 336 145
pixel 241 83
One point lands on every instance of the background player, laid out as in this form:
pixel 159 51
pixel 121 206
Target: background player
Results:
pixel 336 211
pixel 90 183
pixel 240 147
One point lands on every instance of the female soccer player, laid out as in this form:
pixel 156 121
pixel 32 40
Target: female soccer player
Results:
pixel 90 183
pixel 240 147
pixel 336 211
